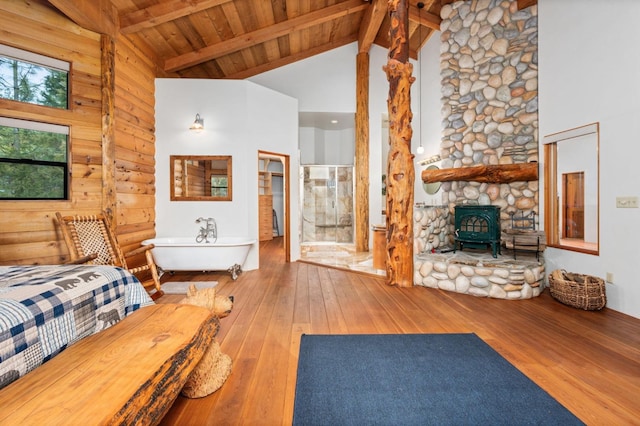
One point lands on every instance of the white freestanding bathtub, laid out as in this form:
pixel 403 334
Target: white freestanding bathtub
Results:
pixel 185 254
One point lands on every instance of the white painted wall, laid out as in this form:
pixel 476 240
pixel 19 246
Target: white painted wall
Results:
pixel 588 76
pixel 328 147
pixel 240 118
pixel 430 128
pixel 307 139
pixel 325 82
pixel 339 147
pixel 378 137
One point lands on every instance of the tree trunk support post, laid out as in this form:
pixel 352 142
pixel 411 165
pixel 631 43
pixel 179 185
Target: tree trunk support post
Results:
pixel 362 153
pixel 400 169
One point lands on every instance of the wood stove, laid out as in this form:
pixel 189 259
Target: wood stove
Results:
pixel 477 227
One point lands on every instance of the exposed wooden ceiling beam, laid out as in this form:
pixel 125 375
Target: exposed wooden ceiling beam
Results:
pixel 423 17
pixel 163 12
pixel 264 34
pixel 292 58
pixel 370 24
pixel 100 16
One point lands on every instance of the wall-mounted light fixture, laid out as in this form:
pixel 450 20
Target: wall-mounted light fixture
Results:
pixel 432 159
pixel 198 124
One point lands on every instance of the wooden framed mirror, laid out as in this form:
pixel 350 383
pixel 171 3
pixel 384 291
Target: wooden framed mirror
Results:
pixel 200 177
pixel 572 182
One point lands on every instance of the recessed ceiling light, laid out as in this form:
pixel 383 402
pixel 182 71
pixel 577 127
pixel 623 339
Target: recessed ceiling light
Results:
pixel 334 121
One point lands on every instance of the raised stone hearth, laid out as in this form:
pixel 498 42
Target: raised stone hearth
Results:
pixel 479 274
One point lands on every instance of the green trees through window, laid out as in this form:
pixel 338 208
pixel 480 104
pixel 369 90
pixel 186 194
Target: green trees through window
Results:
pixel 33 163
pixel 33 154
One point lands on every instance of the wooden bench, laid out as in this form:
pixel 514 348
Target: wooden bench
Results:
pixel 130 373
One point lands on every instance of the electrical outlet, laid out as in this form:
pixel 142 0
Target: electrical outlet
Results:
pixel 609 278
pixel 627 202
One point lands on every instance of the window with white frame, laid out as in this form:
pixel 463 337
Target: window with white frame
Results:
pixel 34 159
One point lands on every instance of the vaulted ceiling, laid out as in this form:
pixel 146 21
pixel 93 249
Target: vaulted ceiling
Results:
pixel 242 38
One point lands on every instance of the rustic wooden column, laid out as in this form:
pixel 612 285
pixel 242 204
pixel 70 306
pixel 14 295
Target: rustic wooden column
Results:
pixel 400 171
pixel 362 152
pixel 108 128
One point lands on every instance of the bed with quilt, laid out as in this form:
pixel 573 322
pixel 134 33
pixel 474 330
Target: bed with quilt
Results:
pixel 45 309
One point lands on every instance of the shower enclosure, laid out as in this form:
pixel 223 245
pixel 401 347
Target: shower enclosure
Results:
pixel 327 209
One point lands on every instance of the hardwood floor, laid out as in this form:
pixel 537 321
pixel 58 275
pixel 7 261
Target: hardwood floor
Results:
pixel 588 360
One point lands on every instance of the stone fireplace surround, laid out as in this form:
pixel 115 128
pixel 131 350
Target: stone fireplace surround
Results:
pixel 489 86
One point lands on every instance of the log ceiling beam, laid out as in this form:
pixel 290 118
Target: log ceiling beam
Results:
pixel 264 34
pixel 163 12
pixel 100 16
pixel 370 25
pixel 422 17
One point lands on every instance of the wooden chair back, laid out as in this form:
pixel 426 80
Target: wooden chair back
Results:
pixel 92 236
pixel 86 235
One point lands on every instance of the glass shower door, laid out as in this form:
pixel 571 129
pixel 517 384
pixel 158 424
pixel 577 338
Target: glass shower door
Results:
pixel 327 212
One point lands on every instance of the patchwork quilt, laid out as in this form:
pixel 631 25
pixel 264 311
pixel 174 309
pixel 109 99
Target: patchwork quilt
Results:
pixel 45 309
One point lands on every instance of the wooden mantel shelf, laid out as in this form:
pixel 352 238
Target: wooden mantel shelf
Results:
pixel 501 173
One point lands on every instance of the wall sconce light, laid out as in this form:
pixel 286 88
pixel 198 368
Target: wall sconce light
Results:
pixel 198 124
pixel 432 159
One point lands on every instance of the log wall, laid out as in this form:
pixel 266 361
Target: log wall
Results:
pixel 135 142
pixel 28 232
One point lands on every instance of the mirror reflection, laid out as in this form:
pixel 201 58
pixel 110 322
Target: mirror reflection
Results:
pixel 433 187
pixel 200 177
pixel 571 204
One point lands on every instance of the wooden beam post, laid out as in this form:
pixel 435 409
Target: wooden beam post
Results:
pixel 400 170
pixel 362 152
pixel 108 128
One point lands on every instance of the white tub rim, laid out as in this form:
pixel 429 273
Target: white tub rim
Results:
pixel 191 242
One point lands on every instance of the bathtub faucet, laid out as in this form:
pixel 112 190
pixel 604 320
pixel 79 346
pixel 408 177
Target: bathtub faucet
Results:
pixel 210 230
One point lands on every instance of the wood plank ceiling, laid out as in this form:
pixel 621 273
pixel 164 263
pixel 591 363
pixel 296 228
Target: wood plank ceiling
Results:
pixel 241 38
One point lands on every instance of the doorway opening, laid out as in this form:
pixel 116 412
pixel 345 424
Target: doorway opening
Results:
pixel 573 205
pixel 274 200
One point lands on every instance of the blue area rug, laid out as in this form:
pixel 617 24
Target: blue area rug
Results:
pixel 416 379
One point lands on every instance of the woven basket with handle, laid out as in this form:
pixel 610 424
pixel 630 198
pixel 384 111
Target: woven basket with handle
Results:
pixel 580 291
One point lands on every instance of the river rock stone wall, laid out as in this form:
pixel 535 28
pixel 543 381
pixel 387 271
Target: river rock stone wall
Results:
pixel 431 228
pixel 481 277
pixel 489 76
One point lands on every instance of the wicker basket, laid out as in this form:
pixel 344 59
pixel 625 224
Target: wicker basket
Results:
pixel 580 291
